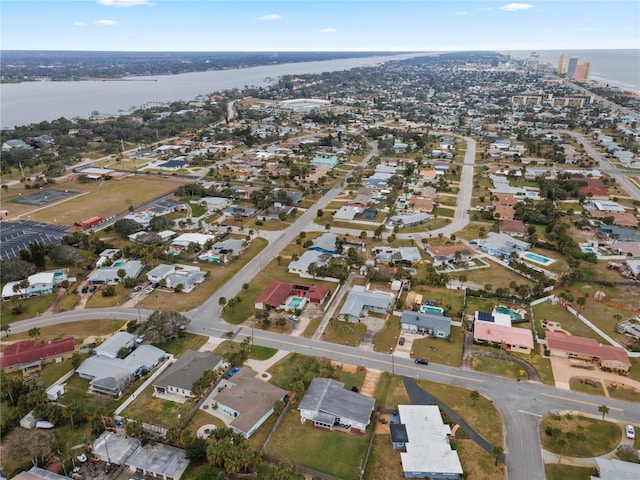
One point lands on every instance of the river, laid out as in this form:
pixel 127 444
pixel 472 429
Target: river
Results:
pixel 33 102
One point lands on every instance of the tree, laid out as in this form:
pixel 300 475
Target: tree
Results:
pixel 160 223
pixel 581 301
pixel 126 226
pixel 34 332
pixel 604 410
pixel 163 325
pixel 202 384
pixel 121 273
pixel 222 301
pixel 475 395
pixel 33 446
pixel 178 288
pixel 196 449
pixel 498 452
pixel 109 291
pixel 133 429
pixel 6 328
pixel 231 452
pixel 76 359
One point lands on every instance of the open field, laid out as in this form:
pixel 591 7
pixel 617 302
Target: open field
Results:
pixel 496 366
pixel 568 322
pixel 391 392
pixel 257 352
pixel 80 330
pixel 384 462
pixel 388 338
pixel 103 199
pixel 476 463
pixel 345 333
pixel 440 350
pixel 563 472
pixel 34 306
pixel 497 276
pixel 186 341
pixel 583 436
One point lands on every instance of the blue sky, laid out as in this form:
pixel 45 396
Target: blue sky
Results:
pixel 308 25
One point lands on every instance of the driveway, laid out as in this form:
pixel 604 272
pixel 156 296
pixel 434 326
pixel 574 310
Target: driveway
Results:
pixel 564 370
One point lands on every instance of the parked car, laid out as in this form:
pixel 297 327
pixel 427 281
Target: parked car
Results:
pixel 148 290
pixel 630 431
pixel 140 339
pixel 422 361
pixel 293 318
pixel 233 372
pixel 401 341
pixel 137 288
pixel 85 289
pixel 93 288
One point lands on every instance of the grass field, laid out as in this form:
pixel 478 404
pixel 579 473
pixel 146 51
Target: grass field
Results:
pixel 497 276
pixel 564 472
pixel 97 300
pixel 578 384
pixel 391 392
pixel 186 341
pixel 257 352
pixel 106 198
pixel 156 411
pixel 344 333
pixel 388 338
pixel 476 463
pixel 34 306
pixel 484 418
pixel 439 350
pixel 568 322
pixel 384 461
pixel 80 330
pixel 583 436
pixel 496 366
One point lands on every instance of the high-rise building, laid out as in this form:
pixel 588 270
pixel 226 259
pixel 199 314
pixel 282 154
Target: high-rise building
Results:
pixel 585 71
pixel 563 64
pixel 571 69
pixel 582 72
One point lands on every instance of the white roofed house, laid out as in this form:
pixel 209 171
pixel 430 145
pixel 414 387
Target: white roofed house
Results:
pixel 404 256
pixel 109 275
pixel 41 283
pixel 301 266
pixel 173 275
pixel 329 405
pixel 177 381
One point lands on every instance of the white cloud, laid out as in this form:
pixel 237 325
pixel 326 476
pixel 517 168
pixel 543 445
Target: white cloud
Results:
pixel 515 7
pixel 270 17
pixel 461 13
pixel 106 23
pixel 328 30
pixel 125 3
pixel 79 24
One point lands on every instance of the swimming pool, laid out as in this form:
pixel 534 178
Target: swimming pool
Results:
pixel 430 309
pixel 295 302
pixel 504 310
pixel 117 264
pixel 534 257
pixel 589 250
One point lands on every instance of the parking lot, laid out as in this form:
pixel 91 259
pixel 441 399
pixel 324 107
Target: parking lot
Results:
pixel 43 197
pixel 16 236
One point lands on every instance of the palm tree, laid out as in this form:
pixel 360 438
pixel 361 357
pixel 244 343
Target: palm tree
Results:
pixel 604 410
pixel 498 452
pixel 475 395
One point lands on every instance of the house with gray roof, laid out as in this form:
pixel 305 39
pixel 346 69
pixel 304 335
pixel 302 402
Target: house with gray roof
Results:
pixel 409 218
pixel 111 375
pixel 326 243
pixel 157 460
pixel 329 405
pixel 109 275
pixel 426 323
pixel 404 256
pixel 113 448
pixel 361 301
pixel 502 245
pixel 176 382
pixel 307 258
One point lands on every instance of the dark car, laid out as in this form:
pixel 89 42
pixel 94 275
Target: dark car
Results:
pixel 422 361
pixel 93 288
pixel 401 341
pixel 85 289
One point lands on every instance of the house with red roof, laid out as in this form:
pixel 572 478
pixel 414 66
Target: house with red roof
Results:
pixel 512 339
pixel 515 228
pixel 595 193
pixel 277 293
pixel 609 357
pixel 29 356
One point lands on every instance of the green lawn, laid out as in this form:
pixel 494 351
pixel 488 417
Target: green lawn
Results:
pixel 97 300
pixel 388 338
pixel 564 472
pixel 439 350
pixel 476 463
pixel 484 417
pixel 301 444
pixel 344 333
pixel 623 393
pixel 542 365
pixel 391 392
pixel 591 387
pixel 568 322
pixel 583 436
pixel 80 330
pixel 186 341
pixel 257 352
pixel 496 366
pixel 156 411
pixel 313 325
pixel 34 306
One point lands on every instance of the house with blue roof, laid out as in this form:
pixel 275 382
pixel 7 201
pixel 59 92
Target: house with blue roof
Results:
pixel 426 323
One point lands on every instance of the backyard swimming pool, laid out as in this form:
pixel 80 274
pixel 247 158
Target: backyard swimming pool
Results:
pixel 295 302
pixel 504 310
pixel 589 250
pixel 534 257
pixel 430 309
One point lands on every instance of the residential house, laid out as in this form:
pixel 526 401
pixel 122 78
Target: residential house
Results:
pixel 624 220
pixel 113 448
pixel 426 323
pixel 620 234
pixel 326 243
pixel 347 213
pixel 360 301
pixel 457 253
pixel 215 203
pixel 403 256
pixel 614 469
pixel 328 405
pixel 512 339
pixel 247 399
pixel 277 293
pixel 408 218
pixel 301 266
pixel 177 381
pixel 157 460
pixel 42 283
pixel 423 439
pixel 604 206
pixel 37 473
pixel 109 275
pixel 183 241
pixel 29 357
pixel 239 211
pixel 609 357
pixel 514 228
pixel 110 374
pixel 502 245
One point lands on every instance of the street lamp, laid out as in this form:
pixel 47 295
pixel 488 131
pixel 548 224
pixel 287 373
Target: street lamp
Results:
pixel 393 362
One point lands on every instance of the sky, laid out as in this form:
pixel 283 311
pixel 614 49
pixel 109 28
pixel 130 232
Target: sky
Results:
pixel 311 25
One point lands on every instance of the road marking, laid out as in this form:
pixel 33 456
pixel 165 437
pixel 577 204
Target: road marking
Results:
pixel 580 401
pixel 530 413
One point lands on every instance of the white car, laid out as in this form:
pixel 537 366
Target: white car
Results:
pixel 631 433
pixel 148 290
